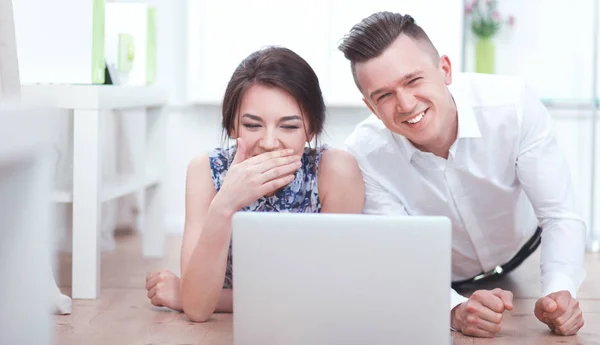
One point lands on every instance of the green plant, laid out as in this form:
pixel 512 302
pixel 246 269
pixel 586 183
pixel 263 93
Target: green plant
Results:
pixel 485 19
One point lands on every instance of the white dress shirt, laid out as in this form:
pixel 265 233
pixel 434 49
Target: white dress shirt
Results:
pixel 504 176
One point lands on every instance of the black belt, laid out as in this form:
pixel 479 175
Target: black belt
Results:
pixel 513 263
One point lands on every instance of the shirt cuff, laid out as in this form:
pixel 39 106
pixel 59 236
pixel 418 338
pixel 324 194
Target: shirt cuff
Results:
pixel 455 299
pixel 557 281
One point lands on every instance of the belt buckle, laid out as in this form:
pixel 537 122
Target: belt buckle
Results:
pixel 495 270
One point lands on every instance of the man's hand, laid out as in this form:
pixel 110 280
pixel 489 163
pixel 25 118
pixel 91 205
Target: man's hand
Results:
pixel 481 315
pixel 560 311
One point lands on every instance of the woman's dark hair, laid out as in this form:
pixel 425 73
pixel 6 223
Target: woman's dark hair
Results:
pixel 282 68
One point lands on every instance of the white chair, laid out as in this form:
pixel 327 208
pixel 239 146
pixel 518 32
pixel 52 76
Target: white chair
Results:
pixel 24 169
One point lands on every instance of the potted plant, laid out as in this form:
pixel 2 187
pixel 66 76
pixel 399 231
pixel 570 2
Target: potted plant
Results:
pixel 485 21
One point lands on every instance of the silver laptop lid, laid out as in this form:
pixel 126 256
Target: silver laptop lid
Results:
pixel 340 279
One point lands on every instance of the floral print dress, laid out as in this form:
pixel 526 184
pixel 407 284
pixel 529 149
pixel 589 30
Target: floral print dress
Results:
pixel 300 196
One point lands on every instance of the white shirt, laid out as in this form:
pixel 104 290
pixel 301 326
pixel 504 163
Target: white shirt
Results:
pixel 504 176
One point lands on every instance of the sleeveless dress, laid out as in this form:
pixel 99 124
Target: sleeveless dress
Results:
pixel 300 196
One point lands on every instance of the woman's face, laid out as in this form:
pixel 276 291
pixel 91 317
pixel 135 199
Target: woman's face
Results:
pixel 270 119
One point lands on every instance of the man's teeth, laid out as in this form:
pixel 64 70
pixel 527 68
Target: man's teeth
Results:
pixel 416 119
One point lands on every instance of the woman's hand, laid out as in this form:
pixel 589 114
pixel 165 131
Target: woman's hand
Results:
pixel 164 290
pixel 248 179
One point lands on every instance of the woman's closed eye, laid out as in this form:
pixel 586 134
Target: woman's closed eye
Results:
pixel 251 125
pixel 256 125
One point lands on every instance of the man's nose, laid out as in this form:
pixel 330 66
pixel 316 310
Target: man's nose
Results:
pixel 405 103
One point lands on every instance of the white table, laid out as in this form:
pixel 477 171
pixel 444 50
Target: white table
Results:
pixel 88 190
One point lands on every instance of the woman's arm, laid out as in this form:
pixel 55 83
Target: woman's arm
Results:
pixel 204 246
pixel 341 186
pixel 207 232
pixel 225 304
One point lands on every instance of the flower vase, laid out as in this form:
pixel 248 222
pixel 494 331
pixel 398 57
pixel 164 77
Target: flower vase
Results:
pixel 484 56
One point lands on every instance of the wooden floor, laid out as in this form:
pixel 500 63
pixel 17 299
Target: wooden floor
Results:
pixel 123 314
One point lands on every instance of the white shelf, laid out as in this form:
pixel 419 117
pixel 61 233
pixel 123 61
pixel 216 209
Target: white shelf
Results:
pixel 93 97
pixel 113 188
pixel 87 190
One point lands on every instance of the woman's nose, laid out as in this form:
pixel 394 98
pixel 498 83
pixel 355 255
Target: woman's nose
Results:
pixel 269 142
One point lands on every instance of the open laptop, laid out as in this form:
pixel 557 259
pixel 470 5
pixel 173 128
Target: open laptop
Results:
pixel 340 279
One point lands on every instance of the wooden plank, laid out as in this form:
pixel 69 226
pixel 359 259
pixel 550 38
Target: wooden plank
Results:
pixel 124 315
pixel 520 326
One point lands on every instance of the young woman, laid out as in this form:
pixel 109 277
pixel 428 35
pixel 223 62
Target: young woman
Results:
pixel 272 108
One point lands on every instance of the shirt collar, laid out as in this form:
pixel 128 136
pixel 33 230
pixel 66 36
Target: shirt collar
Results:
pixel 405 144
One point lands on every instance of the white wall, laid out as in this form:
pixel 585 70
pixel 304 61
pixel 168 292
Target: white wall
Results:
pixel 312 28
pixel 195 128
pixel 529 51
pixel 573 131
pixel 551 45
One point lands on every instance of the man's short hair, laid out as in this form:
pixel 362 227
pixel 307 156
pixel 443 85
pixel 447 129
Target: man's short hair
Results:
pixel 369 38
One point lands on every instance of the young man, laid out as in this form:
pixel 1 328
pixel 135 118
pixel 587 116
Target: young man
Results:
pixel 478 149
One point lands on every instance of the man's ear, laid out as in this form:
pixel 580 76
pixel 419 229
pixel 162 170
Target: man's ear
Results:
pixel 446 67
pixel 370 107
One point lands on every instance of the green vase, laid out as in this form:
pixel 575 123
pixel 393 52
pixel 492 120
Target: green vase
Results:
pixel 484 56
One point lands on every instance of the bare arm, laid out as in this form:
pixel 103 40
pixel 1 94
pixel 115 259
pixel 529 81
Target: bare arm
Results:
pixel 341 186
pixel 207 231
pixel 225 304
pixel 205 246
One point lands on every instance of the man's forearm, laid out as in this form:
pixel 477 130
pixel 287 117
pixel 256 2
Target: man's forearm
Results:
pixel 563 253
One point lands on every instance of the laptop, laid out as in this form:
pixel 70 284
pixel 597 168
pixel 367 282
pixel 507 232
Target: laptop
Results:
pixel 340 279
